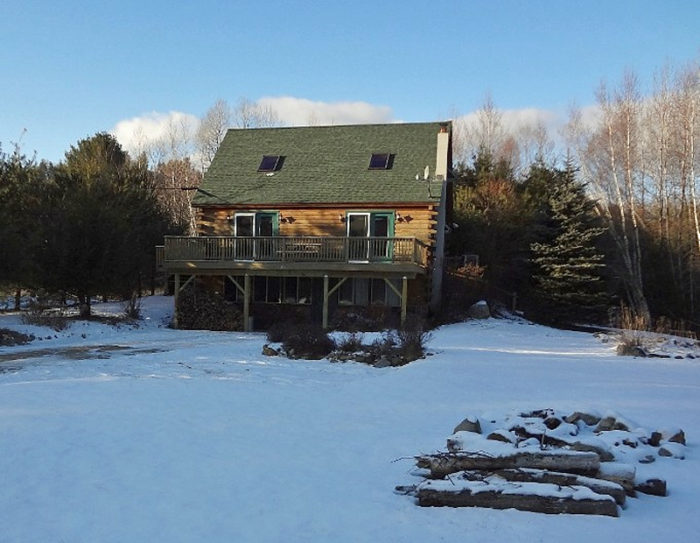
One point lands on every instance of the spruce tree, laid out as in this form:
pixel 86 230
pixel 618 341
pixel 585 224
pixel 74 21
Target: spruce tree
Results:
pixel 569 268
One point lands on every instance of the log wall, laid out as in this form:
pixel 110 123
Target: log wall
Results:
pixel 416 221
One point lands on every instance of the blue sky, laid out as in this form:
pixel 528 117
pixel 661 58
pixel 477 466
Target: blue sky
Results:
pixel 72 68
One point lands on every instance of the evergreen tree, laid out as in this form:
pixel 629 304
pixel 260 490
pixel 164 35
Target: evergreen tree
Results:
pixel 22 181
pixel 569 268
pixel 100 223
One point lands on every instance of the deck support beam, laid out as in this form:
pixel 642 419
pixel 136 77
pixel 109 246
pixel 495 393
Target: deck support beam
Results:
pixel 326 296
pixel 325 302
pixel 403 295
pixel 246 303
pixel 404 299
pixel 176 292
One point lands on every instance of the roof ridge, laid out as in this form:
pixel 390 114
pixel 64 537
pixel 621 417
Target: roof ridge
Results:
pixel 348 125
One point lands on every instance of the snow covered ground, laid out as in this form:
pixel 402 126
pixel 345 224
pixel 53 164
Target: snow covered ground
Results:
pixel 151 434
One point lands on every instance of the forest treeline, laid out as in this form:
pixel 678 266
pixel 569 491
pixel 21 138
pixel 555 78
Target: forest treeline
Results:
pixel 606 217
pixel 87 226
pixel 612 222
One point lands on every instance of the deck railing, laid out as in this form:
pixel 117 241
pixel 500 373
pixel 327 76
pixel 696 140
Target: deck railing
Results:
pixel 295 249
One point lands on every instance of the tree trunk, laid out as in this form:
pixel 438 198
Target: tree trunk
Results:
pixel 599 486
pixel 497 499
pixel 440 465
pixel 85 308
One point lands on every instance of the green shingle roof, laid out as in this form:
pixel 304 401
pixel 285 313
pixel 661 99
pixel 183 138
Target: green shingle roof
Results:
pixel 322 165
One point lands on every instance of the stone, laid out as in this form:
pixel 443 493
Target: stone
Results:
pixel 269 351
pixel 587 418
pixel 480 310
pixel 500 435
pixel 655 439
pixel 469 424
pixel 365 358
pixel 678 437
pixel 654 487
pixel 672 450
pixel 383 362
pixel 648 459
pixel 630 443
pixel 606 424
pixel 552 422
pixel 619 425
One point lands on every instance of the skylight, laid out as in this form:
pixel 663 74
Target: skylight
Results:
pixel 270 163
pixel 380 161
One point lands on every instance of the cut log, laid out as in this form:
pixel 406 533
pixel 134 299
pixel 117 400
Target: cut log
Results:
pixel 622 474
pixel 583 463
pixel 536 497
pixel 599 486
pixel 604 454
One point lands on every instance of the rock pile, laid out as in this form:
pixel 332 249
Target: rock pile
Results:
pixel 545 461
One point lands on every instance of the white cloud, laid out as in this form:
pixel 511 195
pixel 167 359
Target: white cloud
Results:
pixel 514 120
pixel 591 115
pixel 155 132
pixel 540 132
pixel 294 111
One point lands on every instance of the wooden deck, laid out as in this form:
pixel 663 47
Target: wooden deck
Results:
pixel 285 255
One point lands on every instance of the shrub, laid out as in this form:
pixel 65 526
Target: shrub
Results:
pixel 630 346
pixel 279 331
pixel 9 338
pixel 385 346
pixel 351 343
pixel 38 315
pixel 632 336
pixel 132 307
pixel 307 341
pixel 413 338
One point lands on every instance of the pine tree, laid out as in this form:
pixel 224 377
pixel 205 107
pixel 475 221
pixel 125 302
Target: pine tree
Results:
pixel 569 268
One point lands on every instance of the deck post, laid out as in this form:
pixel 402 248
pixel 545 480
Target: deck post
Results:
pixel 246 303
pixel 175 297
pixel 325 301
pixel 404 296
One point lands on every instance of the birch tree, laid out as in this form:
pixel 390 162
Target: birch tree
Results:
pixel 608 153
pixel 212 129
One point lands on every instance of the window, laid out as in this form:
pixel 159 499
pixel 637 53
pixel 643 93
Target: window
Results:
pixel 279 290
pixel 363 292
pixel 380 161
pixel 270 163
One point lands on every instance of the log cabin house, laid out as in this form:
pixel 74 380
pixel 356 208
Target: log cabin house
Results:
pixel 322 219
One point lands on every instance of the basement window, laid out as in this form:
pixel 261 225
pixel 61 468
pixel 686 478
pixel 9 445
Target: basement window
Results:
pixel 270 163
pixel 380 161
